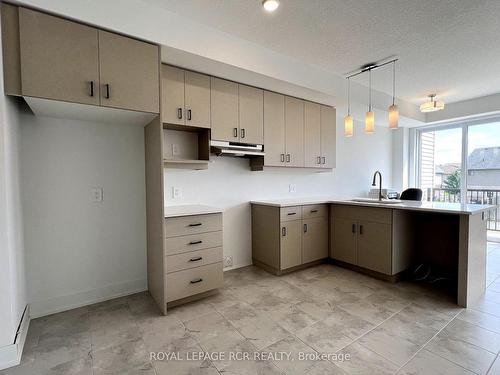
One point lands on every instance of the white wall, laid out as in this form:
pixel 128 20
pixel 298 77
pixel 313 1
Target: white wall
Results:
pixel 12 262
pixel 79 251
pixel 229 183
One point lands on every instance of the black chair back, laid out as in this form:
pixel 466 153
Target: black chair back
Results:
pixel 411 194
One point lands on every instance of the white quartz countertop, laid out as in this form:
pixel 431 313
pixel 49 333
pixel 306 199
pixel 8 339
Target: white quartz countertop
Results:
pixel 444 207
pixel 190 209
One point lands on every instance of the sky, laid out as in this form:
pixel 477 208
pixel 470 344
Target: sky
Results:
pixel 449 142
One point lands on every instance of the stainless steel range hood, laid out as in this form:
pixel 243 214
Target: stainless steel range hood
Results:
pixel 221 148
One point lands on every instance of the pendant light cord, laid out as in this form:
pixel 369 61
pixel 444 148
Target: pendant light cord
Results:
pixel 348 96
pixel 393 81
pixel 370 90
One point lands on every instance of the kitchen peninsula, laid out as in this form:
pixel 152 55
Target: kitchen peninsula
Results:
pixel 382 239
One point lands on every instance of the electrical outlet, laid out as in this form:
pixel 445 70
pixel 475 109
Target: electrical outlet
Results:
pixel 175 149
pixel 176 192
pixel 96 194
pixel 292 188
pixel 228 261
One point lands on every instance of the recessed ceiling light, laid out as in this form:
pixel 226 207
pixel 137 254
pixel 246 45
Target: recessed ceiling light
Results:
pixel 270 5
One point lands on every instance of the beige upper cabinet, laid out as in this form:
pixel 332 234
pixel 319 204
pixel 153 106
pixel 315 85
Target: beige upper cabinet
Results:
pixel 129 73
pixel 197 99
pixel 328 137
pixel 294 133
pixel 172 95
pixel 312 135
pixel 224 110
pixel 59 58
pixel 251 114
pixel 290 244
pixel 274 129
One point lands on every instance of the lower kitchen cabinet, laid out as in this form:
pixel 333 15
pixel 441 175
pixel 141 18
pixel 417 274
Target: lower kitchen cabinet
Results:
pixel 286 238
pixel 362 236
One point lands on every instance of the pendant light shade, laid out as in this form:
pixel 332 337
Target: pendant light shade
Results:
pixel 370 116
pixel 433 105
pixel 393 109
pixel 348 120
pixel 370 122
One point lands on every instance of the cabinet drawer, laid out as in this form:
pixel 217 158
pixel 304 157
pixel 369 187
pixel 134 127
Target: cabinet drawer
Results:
pixel 314 210
pixel 193 259
pixel 181 226
pixel 291 213
pixel 186 283
pixel 183 244
pixel 377 215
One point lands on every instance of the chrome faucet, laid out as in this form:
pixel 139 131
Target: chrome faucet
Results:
pixel 374 184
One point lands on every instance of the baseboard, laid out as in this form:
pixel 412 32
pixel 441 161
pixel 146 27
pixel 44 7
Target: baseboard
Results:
pixel 236 266
pixel 10 355
pixel 71 301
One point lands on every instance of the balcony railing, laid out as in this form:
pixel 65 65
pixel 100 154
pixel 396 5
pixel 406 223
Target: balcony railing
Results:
pixel 476 196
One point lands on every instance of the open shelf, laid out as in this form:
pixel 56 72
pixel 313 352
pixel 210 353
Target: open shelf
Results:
pixel 186 149
pixel 186 164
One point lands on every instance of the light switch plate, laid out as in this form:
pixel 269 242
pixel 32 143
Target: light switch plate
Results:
pixel 176 192
pixel 292 188
pixel 96 194
pixel 175 149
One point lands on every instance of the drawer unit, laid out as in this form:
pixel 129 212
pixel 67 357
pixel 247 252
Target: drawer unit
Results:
pixel 182 244
pixel 374 214
pixel 184 225
pixel 193 259
pixel 291 213
pixel 182 284
pixel 314 210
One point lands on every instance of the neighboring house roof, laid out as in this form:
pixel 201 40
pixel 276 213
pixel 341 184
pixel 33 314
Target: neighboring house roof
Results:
pixel 448 168
pixel 484 158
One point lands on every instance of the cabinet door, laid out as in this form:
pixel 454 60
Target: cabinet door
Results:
pixel 312 135
pixel 294 132
pixel 59 58
pixel 314 239
pixel 328 136
pixel 224 110
pixel 251 115
pixel 344 240
pixel 374 246
pixel 274 129
pixel 172 95
pixel 129 73
pixel 290 244
pixel 197 100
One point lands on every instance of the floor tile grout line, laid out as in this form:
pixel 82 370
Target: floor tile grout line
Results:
pixel 477 325
pixel 428 341
pixel 492 363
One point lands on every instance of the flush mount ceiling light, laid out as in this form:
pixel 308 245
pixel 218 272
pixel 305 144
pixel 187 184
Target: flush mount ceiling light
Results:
pixel 433 105
pixel 270 5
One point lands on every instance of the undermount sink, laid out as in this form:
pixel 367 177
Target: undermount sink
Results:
pixel 372 200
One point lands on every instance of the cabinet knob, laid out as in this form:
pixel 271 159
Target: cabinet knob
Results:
pixel 189 115
pixel 235 132
pixel 305 228
pixel 288 158
pixel 282 158
pixel 242 131
pixel 283 231
pixel 323 160
pixel 179 113
pixel 319 160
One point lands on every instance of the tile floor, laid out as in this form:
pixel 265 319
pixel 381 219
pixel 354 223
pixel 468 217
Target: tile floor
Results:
pixel 385 328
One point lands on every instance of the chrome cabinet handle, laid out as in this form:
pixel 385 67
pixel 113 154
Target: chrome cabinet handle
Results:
pixel 196 281
pixel 91 88
pixel 282 158
pixel 195 225
pixel 189 115
pixel 195 259
pixel 235 132
pixel 107 91
pixel 179 113
pixel 195 242
pixel 283 231
pixel 242 132
pixel 305 228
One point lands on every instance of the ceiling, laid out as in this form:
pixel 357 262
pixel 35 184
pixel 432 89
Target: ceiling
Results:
pixel 448 47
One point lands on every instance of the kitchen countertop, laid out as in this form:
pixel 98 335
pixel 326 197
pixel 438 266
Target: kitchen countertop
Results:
pixel 444 207
pixel 190 209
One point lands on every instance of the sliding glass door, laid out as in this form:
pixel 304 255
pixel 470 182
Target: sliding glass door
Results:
pixel 461 163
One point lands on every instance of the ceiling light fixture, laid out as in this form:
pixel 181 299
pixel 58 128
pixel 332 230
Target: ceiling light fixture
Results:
pixel 433 105
pixel 270 5
pixel 393 109
pixel 370 116
pixel 348 120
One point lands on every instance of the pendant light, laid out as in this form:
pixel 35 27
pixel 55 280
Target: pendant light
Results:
pixel 348 120
pixel 433 105
pixel 370 116
pixel 393 109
